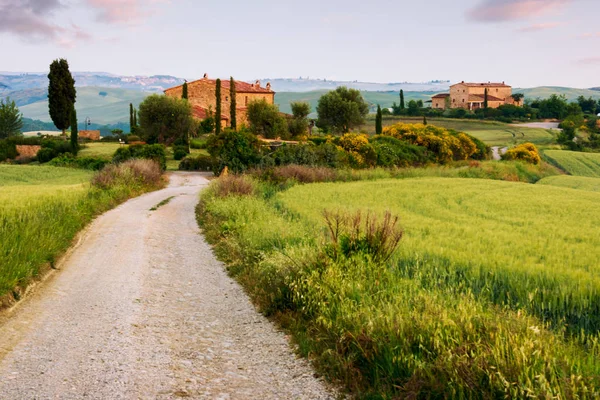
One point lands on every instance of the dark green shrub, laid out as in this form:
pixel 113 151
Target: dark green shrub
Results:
pixel 198 144
pixel 154 152
pixel 68 160
pixel 8 150
pixel 46 154
pixel 331 156
pixel 199 163
pixel 133 138
pixel 179 152
pixel 318 140
pixel 236 150
pixel 302 154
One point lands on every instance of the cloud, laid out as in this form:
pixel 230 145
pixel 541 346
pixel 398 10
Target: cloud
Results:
pixel 539 27
pixel 589 35
pixel 29 20
pixel 510 10
pixel 126 12
pixel 589 61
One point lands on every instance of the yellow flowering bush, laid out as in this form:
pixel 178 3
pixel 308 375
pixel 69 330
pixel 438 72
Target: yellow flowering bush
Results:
pixel 524 152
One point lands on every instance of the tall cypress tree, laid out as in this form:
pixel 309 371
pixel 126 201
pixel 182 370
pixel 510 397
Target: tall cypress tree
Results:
pixel 184 95
pixel 233 104
pixel 61 94
pixel 74 132
pixel 378 121
pixel 131 119
pixel 485 99
pixel 401 99
pixel 135 125
pixel 218 107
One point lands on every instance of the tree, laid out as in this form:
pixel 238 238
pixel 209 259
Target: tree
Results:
pixel 378 121
pixel 402 99
pixel 587 105
pixel 413 108
pixel 184 92
pixel 298 124
pixel 341 110
pixel 233 104
pixel 266 120
pixel 517 97
pixel 61 94
pixel 165 119
pixel 424 120
pixel 131 119
pixel 485 99
pixel 135 123
pixel 218 107
pixel 11 120
pixel 74 132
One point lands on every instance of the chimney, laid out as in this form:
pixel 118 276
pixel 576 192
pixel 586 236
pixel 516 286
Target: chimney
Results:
pixel 205 76
pixel 268 85
pixel 257 83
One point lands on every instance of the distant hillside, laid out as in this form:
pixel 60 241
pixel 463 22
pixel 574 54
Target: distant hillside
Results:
pixel 102 105
pixel 546 91
pixel 311 85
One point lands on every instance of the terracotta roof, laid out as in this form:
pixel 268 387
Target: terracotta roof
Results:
pixel 482 84
pixel 240 87
pixel 441 96
pixel 480 98
pixel 201 113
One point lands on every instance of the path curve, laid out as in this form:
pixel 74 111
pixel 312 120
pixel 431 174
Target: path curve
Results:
pixel 142 310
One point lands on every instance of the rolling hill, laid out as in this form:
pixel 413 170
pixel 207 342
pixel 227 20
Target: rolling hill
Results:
pixel 571 94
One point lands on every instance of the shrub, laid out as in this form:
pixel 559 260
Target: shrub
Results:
pixel 198 144
pixel 68 160
pixel 236 150
pixel 199 163
pixel 154 152
pixel 46 154
pixel 133 138
pixel 179 152
pixel 360 152
pixel 357 233
pixel 524 152
pixel 130 173
pixel 296 173
pixel 8 150
pixel 234 185
pixel 302 154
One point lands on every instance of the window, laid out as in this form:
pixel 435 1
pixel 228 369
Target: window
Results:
pixel 246 100
pixel 463 100
pixel 226 98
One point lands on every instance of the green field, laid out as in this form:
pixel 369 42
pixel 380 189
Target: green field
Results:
pixel 99 149
pixel 576 163
pixel 572 182
pixel 490 281
pixel 109 109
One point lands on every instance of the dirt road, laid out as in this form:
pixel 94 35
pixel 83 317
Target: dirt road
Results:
pixel 142 310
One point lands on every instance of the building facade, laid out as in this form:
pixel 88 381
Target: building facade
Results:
pixel 202 97
pixel 471 96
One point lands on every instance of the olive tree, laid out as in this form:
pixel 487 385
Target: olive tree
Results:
pixel 341 109
pixel 165 120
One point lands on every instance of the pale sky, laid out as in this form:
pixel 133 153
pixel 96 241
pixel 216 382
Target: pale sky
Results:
pixel 523 42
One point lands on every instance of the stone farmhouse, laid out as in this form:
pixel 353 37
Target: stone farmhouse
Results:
pixel 471 96
pixel 202 97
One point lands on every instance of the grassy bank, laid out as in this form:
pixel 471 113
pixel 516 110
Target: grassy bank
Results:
pixel 478 301
pixel 573 182
pixel 576 163
pixel 43 208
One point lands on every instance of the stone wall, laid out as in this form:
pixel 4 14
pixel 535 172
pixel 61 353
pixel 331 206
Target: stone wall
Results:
pixel 27 151
pixel 91 135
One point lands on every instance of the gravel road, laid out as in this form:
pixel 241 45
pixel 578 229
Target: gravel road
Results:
pixel 141 309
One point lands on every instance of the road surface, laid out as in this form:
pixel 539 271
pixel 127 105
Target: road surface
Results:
pixel 141 309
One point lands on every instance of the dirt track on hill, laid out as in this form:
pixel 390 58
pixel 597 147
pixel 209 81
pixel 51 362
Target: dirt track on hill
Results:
pixel 142 310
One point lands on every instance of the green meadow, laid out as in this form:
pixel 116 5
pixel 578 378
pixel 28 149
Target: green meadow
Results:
pixel 576 163
pixel 494 291
pixel 572 182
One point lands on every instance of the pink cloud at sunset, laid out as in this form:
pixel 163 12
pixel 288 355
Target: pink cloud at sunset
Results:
pixel 509 10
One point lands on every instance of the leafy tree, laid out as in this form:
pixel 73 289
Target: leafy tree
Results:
pixel 74 132
pixel 218 107
pixel 420 103
pixel 396 110
pixel 11 120
pixel 233 104
pixel 552 107
pixel 266 120
pixel 517 97
pixel 588 105
pixel 341 110
pixel 402 99
pixel 485 99
pixel 298 124
pixel 235 150
pixel 184 93
pixel 378 121
pixel 385 111
pixel 413 108
pixel 165 120
pixel 207 125
pixel 61 94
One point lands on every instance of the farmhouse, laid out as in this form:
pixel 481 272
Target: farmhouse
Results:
pixel 202 97
pixel 471 96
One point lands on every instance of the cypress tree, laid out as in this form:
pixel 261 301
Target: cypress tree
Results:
pixel 424 120
pixel 131 119
pixel 184 95
pixel 74 132
pixel 401 99
pixel 218 107
pixel 233 104
pixel 378 121
pixel 485 99
pixel 61 94
pixel 135 125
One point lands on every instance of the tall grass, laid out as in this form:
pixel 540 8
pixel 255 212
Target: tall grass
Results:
pixel 423 324
pixel 573 182
pixel 41 210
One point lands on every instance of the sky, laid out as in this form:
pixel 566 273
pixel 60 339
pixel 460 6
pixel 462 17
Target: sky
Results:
pixel 525 43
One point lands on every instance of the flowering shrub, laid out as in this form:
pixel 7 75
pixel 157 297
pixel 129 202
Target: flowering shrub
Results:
pixel 524 152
